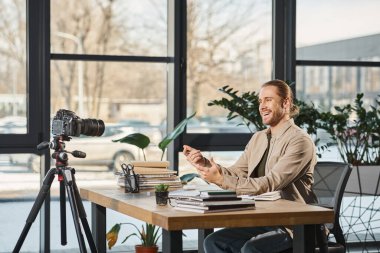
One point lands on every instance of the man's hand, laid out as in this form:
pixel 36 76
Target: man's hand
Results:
pixel 208 169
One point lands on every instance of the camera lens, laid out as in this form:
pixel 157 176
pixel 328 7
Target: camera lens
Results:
pixel 92 127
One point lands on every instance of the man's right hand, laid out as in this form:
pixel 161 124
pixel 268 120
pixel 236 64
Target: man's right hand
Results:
pixel 208 169
pixel 194 156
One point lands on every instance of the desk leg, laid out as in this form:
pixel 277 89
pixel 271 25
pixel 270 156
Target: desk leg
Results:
pixel 202 233
pixel 98 224
pixel 304 238
pixel 172 241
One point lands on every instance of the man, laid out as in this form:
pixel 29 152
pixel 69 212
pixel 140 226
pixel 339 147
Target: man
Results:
pixel 280 158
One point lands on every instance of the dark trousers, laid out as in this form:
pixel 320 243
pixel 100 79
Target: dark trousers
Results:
pixel 248 240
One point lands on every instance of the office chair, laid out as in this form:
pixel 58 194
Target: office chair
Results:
pixel 330 179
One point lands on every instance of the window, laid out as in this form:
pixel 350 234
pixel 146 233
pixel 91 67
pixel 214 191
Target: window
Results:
pixel 338 53
pixel 325 31
pixel 109 62
pixel 13 88
pixel 228 43
pixel 133 27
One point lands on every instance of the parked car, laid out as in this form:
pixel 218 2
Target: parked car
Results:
pixel 101 151
pixel 13 125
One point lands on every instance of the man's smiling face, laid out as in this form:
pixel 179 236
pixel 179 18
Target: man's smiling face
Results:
pixel 272 107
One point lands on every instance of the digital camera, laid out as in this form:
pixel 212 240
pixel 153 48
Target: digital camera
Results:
pixel 67 123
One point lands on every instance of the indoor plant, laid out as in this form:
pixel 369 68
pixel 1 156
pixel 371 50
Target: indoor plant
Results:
pixel 161 192
pixel 142 141
pixel 148 236
pixel 356 131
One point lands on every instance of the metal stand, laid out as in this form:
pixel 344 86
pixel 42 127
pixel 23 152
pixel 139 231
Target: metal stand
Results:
pixel 67 181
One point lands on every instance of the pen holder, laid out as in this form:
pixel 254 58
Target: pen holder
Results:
pixel 162 198
pixel 131 184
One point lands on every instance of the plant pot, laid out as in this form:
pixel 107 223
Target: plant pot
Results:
pixel 162 198
pixel 146 249
pixel 364 180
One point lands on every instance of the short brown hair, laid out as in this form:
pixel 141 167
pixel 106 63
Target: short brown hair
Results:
pixel 284 91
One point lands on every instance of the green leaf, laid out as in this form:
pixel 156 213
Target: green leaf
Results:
pixel 161 188
pixel 176 132
pixel 140 140
pixel 188 177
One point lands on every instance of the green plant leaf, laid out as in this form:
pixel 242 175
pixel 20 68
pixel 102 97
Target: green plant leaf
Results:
pixel 188 177
pixel 176 132
pixel 148 235
pixel 133 234
pixel 140 140
pixel 161 188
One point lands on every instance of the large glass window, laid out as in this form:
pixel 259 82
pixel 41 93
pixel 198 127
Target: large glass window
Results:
pixel 109 63
pixel 331 86
pixel 132 27
pixel 13 89
pixel 228 43
pixel 128 97
pixel 326 31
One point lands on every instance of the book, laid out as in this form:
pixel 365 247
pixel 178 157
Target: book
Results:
pixel 148 170
pixel 270 196
pixel 209 193
pixel 184 193
pixel 150 179
pixel 216 202
pixel 205 199
pixel 151 164
pixel 202 195
pixel 215 209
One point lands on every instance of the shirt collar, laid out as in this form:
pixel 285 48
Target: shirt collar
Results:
pixel 283 129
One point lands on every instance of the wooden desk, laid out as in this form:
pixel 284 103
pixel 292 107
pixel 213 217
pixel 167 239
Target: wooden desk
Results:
pixel 142 206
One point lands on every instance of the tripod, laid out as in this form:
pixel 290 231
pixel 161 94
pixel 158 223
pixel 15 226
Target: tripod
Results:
pixel 66 181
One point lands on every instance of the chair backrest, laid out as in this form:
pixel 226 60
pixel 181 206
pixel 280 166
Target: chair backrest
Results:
pixel 330 179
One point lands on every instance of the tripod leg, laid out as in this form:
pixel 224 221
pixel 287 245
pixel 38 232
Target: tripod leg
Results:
pixel 62 204
pixel 67 174
pixel 83 217
pixel 44 191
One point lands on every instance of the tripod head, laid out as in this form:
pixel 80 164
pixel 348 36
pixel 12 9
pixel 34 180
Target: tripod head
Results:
pixel 60 154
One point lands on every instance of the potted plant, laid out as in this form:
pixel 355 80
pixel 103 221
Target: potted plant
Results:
pixel 142 141
pixel 356 131
pixel 161 191
pixel 148 236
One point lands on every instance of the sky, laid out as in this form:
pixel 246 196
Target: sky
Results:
pixel 330 20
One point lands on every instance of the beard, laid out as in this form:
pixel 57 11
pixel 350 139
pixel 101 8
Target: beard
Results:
pixel 277 115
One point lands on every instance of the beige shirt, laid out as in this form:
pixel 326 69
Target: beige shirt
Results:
pixel 289 167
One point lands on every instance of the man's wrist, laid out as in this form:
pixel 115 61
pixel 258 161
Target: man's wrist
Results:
pixel 219 180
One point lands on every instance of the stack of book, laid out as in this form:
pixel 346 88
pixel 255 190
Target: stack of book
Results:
pixel 153 173
pixel 210 201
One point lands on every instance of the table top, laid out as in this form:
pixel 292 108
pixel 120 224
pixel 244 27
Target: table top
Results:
pixel 143 206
